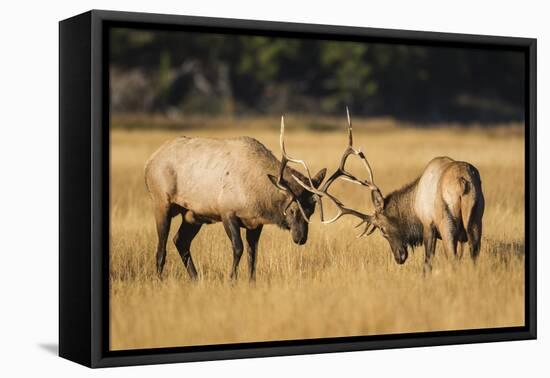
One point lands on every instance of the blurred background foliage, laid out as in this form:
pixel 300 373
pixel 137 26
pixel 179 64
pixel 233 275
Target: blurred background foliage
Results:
pixel 185 73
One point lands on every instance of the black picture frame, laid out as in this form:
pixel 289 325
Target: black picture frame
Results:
pixel 84 190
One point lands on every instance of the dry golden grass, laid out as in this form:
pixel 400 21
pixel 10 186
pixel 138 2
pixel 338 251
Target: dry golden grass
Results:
pixel 335 285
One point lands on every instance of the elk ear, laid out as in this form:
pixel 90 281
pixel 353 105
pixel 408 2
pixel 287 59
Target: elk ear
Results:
pixel 377 199
pixel 273 180
pixel 319 177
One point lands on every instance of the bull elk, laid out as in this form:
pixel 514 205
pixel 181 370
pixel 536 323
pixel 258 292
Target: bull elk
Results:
pixel 445 202
pixel 234 181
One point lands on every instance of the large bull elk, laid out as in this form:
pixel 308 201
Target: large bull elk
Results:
pixel 445 202
pixel 234 181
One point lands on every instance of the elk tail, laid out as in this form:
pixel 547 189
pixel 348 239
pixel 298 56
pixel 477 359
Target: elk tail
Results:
pixel 467 201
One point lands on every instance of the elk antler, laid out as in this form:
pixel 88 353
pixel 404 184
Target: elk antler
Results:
pixel 281 183
pixel 341 171
pixel 345 175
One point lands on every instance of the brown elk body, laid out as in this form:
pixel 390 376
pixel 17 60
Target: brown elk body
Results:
pixel 446 202
pixel 232 181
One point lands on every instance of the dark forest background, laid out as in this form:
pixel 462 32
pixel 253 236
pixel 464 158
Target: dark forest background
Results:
pixel 183 73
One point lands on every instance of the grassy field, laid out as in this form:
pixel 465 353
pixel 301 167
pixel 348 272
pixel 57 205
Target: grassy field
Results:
pixel 335 285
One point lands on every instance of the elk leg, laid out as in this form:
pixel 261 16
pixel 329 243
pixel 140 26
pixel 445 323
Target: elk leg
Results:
pixel 232 228
pixel 252 237
pixel 429 247
pixel 162 217
pixel 449 238
pixel 182 240
pixel 474 240
pixel 459 251
pixel 462 238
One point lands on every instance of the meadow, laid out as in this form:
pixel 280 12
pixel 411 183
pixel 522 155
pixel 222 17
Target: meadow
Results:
pixel 335 285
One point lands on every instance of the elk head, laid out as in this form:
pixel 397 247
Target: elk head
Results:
pixel 380 219
pixel 300 203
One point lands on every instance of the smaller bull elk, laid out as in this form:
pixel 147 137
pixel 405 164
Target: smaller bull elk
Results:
pixel 234 181
pixel 445 202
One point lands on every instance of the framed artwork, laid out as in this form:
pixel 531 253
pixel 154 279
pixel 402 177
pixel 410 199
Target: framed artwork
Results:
pixel 212 172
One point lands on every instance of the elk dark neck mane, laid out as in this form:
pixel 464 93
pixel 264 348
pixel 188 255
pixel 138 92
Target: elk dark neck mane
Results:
pixel 399 205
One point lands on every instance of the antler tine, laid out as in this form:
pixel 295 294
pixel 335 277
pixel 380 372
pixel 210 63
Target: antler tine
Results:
pixel 285 159
pixel 350 129
pixel 341 171
pixel 342 210
pixel 282 137
pixel 359 152
pixel 366 231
